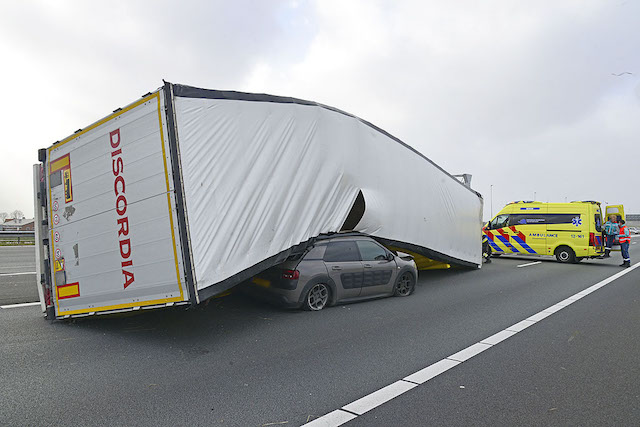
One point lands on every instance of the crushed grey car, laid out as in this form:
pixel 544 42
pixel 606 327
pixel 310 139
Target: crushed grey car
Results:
pixel 335 270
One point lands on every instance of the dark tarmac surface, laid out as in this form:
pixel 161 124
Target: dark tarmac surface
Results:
pixel 240 362
pixel 21 287
pixel 577 367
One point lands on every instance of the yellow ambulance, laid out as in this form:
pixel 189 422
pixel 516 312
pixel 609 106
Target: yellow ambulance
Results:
pixel 570 231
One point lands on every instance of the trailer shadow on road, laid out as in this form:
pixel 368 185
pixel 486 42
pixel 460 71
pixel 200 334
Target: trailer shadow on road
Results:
pixel 238 316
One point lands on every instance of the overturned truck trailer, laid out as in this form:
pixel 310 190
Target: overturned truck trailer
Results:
pixel 186 192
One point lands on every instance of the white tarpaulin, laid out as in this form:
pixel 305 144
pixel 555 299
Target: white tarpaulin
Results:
pixel 262 174
pixel 186 192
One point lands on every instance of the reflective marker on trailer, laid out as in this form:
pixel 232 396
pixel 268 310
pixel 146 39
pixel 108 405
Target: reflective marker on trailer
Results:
pixel 70 290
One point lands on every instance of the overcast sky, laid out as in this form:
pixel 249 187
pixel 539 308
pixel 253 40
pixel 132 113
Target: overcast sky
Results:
pixel 533 98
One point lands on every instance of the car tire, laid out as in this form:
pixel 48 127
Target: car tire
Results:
pixel 565 254
pixel 317 297
pixel 405 285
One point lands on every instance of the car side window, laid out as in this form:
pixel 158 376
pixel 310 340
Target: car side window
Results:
pixel 370 251
pixel 341 252
pixel 315 253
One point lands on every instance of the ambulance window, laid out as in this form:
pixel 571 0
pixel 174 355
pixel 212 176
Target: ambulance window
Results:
pixel 598 223
pixel 561 218
pixel 499 221
pixel 532 219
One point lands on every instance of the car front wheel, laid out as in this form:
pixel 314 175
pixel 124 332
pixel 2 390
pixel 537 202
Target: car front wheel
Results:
pixel 317 297
pixel 405 285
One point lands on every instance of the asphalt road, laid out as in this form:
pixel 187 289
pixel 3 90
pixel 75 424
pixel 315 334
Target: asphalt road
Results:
pixel 240 362
pixel 578 367
pixel 17 274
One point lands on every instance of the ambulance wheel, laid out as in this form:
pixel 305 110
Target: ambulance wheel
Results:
pixel 565 254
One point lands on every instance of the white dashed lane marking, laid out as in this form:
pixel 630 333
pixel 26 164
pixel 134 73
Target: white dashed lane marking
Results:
pixel 17 274
pixel 528 264
pixel 26 304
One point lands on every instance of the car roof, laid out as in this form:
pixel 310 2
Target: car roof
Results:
pixel 345 236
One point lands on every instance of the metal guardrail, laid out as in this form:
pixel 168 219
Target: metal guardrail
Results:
pixel 17 236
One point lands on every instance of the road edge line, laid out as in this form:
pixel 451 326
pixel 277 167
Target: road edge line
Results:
pixel 329 420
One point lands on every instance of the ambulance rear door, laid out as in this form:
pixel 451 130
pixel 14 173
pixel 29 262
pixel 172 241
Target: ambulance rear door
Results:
pixel 614 210
pixel 596 231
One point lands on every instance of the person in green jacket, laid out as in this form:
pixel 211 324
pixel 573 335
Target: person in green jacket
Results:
pixel 611 230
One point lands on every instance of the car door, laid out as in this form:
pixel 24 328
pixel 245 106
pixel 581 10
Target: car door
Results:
pixel 342 260
pixel 379 272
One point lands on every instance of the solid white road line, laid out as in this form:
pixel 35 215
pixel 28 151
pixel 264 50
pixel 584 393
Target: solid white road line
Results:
pixel 499 337
pixel 385 394
pixel 379 397
pixel 538 317
pixel 424 375
pixel 469 352
pixel 531 263
pixel 25 304
pixel 335 418
pixel 520 326
pixel 17 274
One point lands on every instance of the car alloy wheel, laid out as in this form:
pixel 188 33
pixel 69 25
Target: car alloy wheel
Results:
pixel 404 286
pixel 317 297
